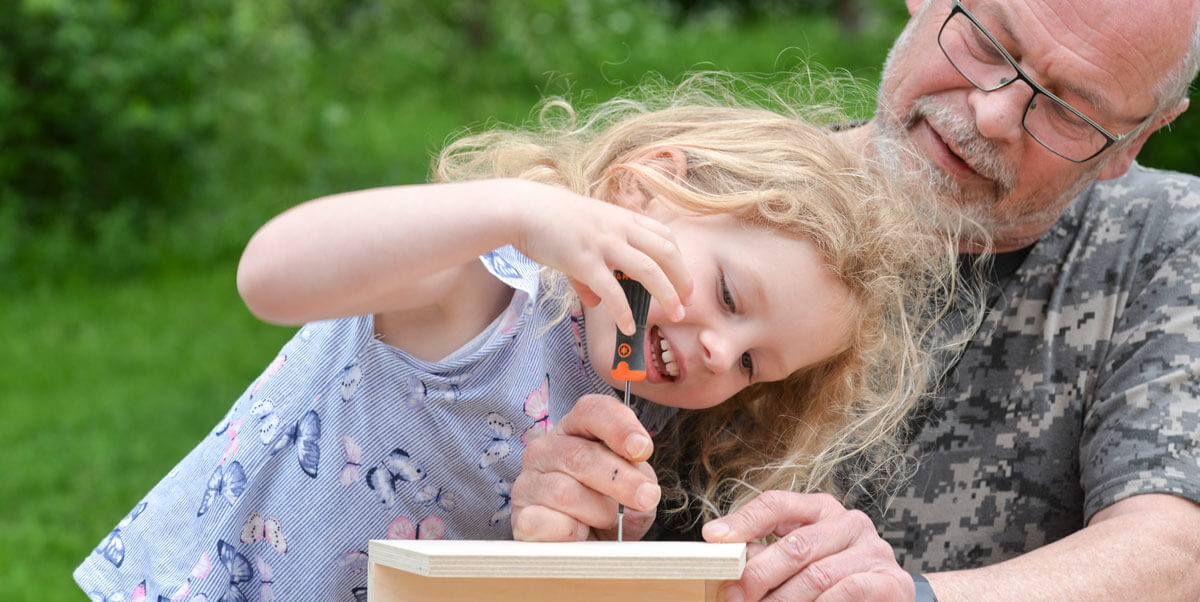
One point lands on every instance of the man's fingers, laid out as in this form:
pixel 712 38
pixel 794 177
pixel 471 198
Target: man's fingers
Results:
pixel 605 418
pixel 562 493
pixel 778 512
pixel 637 522
pixel 599 448
pixel 539 523
pixel 874 586
pixel 816 558
pixel 591 465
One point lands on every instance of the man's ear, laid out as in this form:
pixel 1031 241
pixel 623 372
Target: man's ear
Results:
pixel 914 6
pixel 1123 157
pixel 669 160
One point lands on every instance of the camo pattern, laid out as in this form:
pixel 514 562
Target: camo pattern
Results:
pixel 1081 388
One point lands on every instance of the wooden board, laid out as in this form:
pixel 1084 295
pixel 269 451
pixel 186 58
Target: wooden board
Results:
pixel 446 570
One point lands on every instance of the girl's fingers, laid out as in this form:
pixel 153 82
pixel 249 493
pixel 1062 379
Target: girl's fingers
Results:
pixel 608 289
pixel 586 296
pixel 674 288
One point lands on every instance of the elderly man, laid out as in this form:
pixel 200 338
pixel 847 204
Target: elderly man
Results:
pixel 1061 459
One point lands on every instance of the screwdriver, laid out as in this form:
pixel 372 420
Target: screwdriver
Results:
pixel 629 355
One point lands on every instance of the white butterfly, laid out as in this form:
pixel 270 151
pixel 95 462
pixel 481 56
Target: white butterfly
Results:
pixel 498 447
pixel 269 528
pixel 385 478
pixel 435 495
pixel 503 488
pixel 268 420
pixel 353 562
pixel 537 407
pixel 351 377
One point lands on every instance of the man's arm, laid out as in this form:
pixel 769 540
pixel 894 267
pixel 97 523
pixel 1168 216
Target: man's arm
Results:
pixel 1145 547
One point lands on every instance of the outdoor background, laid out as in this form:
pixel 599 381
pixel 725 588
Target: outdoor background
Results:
pixel 141 143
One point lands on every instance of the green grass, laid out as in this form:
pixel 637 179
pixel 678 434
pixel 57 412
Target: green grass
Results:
pixel 105 388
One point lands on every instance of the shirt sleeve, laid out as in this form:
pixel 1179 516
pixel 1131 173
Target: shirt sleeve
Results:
pixel 513 268
pixel 1141 432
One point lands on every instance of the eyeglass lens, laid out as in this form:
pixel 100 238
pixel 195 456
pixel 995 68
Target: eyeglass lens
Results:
pixel 983 64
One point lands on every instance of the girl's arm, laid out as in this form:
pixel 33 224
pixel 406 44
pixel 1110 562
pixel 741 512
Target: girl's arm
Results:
pixel 373 251
pixel 415 249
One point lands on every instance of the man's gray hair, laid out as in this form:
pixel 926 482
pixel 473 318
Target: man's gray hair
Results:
pixel 1174 87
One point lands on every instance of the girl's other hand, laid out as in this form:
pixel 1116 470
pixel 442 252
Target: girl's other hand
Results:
pixel 586 239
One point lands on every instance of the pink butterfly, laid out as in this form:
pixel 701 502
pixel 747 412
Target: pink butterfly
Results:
pixel 139 593
pixel 201 570
pixel 271 370
pixel 234 442
pixel 350 472
pixel 266 592
pixel 432 527
pixel 257 528
pixel 537 407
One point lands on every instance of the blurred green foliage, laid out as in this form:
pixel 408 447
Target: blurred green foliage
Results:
pixel 121 119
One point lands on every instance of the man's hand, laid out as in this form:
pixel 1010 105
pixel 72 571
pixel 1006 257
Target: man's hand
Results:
pixel 824 551
pixel 572 479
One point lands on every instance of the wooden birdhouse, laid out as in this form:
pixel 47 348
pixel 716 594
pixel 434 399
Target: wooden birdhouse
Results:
pixel 496 571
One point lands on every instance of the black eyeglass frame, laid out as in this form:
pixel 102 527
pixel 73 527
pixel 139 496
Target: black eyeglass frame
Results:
pixel 1110 139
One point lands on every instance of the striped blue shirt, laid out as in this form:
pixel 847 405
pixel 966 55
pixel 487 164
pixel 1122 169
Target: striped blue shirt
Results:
pixel 344 439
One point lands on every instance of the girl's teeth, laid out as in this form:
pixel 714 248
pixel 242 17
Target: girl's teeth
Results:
pixel 668 359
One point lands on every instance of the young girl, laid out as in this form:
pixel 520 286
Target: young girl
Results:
pixel 778 261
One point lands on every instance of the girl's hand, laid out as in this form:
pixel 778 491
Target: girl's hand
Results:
pixel 586 239
pixel 572 478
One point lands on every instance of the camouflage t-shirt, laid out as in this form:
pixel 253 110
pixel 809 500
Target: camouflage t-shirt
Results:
pixel 1081 387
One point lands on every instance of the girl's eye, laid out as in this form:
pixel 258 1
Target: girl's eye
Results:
pixel 726 296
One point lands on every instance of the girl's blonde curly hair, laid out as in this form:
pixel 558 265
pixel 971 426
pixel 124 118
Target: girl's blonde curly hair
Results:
pixel 760 153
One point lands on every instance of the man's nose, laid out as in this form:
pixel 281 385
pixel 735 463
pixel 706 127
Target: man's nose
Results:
pixel 998 113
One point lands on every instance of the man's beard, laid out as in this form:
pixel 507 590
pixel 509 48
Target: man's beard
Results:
pixel 986 210
pixel 959 133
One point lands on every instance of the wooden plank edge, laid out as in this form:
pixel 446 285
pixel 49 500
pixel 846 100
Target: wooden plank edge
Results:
pixel 590 559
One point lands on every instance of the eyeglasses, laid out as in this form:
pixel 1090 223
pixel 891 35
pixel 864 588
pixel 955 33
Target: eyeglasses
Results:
pixel 1056 125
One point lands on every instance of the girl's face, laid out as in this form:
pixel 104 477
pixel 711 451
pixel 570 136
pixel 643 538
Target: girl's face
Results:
pixel 763 307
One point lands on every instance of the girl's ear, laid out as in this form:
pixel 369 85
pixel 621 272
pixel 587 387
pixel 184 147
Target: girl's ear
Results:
pixel 670 160
pixel 632 194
